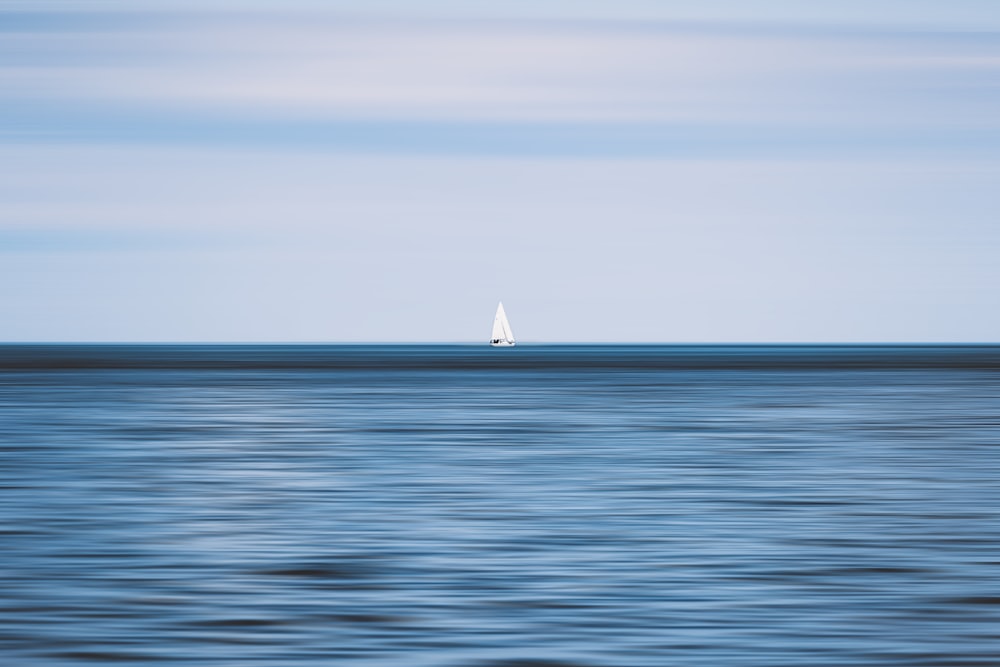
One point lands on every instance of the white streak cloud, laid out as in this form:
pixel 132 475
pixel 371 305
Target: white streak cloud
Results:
pixel 513 72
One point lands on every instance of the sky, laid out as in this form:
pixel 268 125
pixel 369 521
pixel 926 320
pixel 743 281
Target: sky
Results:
pixel 387 171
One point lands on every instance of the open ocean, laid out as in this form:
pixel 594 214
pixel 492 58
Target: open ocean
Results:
pixel 462 506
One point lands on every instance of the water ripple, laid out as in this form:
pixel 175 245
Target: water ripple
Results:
pixel 448 507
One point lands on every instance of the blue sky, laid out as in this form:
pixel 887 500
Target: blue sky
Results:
pixel 386 171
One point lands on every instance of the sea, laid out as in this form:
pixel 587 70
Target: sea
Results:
pixel 464 506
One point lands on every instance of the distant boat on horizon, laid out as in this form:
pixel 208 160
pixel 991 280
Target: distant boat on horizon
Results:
pixel 502 335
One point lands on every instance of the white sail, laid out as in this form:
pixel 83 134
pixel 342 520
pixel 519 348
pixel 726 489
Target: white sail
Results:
pixel 502 335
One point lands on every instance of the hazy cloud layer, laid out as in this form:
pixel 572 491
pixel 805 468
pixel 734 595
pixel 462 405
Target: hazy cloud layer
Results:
pixel 956 14
pixel 196 244
pixel 332 68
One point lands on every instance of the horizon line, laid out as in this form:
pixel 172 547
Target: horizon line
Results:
pixel 486 344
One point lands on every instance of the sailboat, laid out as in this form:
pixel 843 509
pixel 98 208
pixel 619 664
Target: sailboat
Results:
pixel 502 336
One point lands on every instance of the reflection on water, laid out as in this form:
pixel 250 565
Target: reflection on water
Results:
pixel 452 506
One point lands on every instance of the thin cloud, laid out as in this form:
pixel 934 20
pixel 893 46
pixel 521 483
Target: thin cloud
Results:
pixel 475 71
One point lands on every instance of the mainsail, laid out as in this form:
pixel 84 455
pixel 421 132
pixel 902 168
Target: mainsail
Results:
pixel 502 335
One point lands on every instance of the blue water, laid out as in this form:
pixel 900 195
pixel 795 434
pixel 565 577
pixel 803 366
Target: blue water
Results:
pixel 465 506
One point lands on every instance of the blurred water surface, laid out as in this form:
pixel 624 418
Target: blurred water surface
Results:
pixel 465 506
